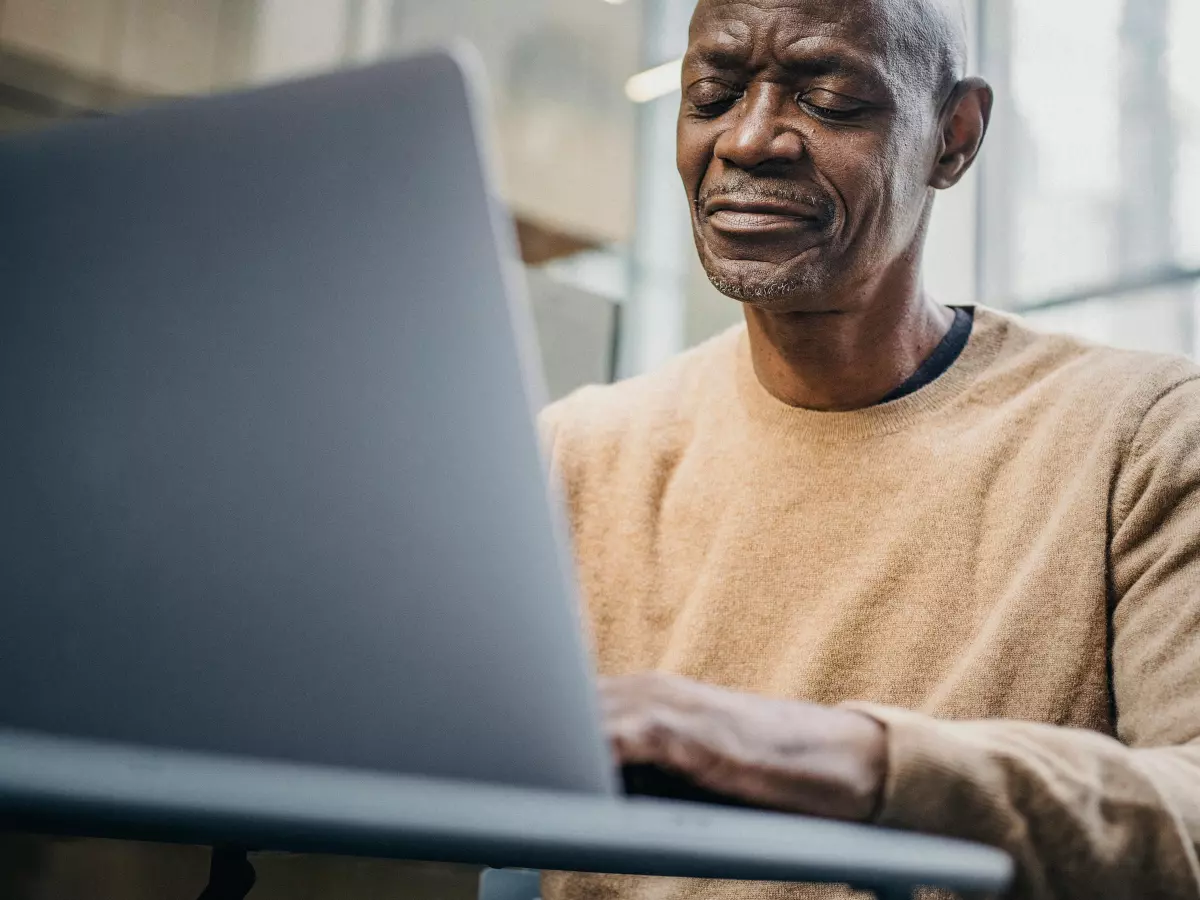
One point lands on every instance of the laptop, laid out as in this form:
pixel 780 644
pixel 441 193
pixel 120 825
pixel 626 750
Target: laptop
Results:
pixel 271 484
pixel 278 556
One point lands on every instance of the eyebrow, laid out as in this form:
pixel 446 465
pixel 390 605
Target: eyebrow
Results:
pixel 717 57
pixel 834 63
pixel 827 64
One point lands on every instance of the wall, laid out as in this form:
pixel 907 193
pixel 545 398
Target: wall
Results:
pixel 149 46
pixel 565 131
pixel 951 266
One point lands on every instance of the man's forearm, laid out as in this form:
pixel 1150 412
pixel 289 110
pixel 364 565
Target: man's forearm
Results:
pixel 1083 815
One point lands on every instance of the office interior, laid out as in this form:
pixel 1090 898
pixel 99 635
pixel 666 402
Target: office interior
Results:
pixel 1083 215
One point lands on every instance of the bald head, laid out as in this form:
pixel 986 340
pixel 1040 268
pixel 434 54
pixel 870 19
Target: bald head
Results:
pixel 935 30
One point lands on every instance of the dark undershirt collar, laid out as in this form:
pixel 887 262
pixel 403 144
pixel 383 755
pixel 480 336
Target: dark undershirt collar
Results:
pixel 943 357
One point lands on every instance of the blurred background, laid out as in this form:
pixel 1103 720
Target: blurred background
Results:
pixel 1083 214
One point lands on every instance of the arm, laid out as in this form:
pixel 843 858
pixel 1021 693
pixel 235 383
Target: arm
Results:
pixel 1084 815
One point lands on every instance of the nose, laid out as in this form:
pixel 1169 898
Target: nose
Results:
pixel 759 133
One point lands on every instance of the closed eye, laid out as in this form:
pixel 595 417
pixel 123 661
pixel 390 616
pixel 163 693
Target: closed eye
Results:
pixel 712 98
pixel 832 106
pixel 716 108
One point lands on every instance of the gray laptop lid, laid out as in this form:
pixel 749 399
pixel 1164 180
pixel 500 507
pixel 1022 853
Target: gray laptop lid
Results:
pixel 269 481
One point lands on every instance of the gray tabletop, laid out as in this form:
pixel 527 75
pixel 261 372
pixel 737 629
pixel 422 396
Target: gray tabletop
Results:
pixel 58 784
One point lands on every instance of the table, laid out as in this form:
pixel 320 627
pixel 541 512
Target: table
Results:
pixel 98 789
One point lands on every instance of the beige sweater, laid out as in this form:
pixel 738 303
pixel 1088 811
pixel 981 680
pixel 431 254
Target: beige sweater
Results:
pixel 1003 567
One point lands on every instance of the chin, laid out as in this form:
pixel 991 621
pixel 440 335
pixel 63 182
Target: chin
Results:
pixel 802 284
pixel 779 291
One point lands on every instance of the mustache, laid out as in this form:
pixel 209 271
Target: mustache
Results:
pixel 756 189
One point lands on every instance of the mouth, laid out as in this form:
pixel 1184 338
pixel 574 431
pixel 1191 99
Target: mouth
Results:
pixel 760 216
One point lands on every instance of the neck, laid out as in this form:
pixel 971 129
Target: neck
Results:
pixel 839 361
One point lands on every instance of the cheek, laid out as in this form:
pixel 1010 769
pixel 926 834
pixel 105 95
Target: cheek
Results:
pixel 856 165
pixel 909 155
pixel 693 151
pixel 876 176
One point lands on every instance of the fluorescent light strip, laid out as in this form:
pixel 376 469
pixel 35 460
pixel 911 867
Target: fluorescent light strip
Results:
pixel 654 83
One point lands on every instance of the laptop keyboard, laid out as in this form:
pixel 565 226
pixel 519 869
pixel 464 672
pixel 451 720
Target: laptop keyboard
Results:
pixel 651 781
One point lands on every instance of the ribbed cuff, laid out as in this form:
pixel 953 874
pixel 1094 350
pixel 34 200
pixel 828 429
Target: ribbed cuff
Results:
pixel 927 783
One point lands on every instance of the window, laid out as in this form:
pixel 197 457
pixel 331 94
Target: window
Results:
pixel 1090 212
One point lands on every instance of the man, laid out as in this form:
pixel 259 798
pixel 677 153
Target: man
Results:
pixel 888 561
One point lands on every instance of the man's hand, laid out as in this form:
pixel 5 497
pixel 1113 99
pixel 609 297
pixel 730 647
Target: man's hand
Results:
pixel 779 754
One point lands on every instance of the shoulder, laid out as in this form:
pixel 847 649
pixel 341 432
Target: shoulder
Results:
pixel 1067 373
pixel 655 411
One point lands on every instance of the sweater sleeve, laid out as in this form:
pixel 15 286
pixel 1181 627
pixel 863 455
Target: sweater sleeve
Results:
pixel 1085 815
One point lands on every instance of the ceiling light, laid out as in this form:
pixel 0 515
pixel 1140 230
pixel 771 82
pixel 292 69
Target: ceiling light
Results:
pixel 654 83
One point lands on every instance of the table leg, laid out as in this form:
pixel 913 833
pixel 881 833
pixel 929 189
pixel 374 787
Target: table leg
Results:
pixel 230 875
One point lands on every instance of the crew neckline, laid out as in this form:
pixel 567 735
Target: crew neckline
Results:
pixel 987 335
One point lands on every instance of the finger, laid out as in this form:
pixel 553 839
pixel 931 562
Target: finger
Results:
pixel 641 735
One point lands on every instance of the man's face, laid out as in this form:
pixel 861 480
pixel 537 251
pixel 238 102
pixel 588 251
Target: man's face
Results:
pixel 808 130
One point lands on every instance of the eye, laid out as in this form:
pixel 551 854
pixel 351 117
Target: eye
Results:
pixel 833 106
pixel 710 99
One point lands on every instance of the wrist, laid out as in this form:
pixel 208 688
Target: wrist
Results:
pixel 828 762
pixel 866 753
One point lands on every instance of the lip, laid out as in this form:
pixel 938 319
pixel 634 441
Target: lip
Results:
pixel 758 216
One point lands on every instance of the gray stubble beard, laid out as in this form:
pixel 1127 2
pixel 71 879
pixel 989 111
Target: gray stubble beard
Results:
pixel 759 291
pixel 766 291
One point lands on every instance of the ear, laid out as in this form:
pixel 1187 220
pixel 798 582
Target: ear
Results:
pixel 964 123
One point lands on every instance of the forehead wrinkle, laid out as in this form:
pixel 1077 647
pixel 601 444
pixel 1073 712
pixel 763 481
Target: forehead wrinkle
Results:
pixel 919 43
pixel 830 45
pixel 728 42
pixel 706 9
pixel 724 34
pixel 735 31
